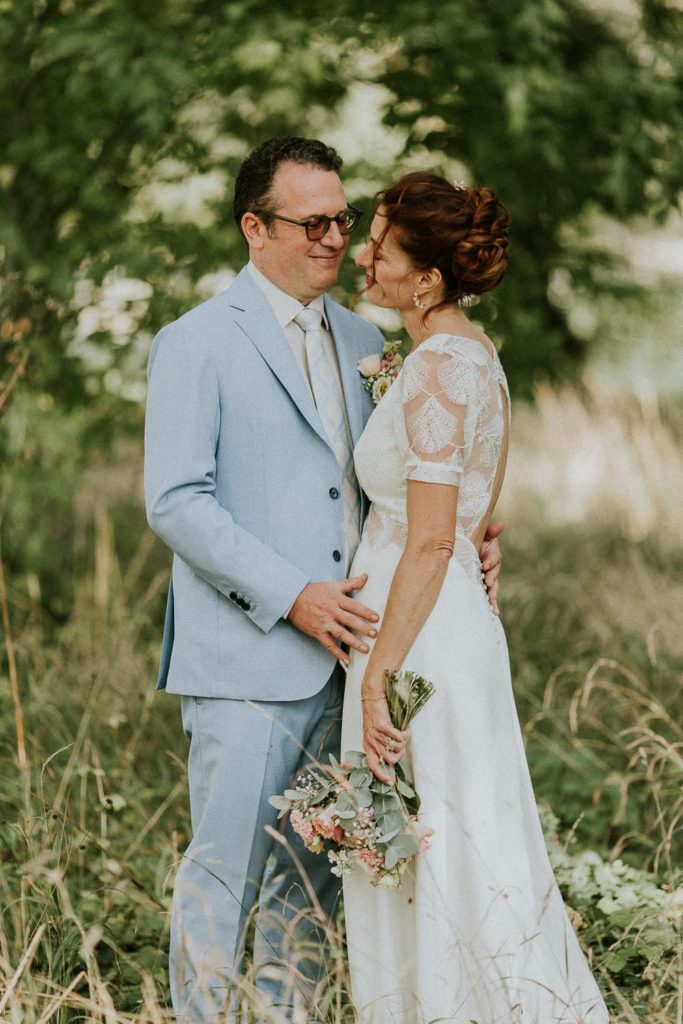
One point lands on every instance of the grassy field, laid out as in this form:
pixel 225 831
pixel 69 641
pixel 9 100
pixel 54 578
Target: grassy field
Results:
pixel 94 806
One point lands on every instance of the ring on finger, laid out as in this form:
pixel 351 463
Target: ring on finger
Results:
pixel 390 746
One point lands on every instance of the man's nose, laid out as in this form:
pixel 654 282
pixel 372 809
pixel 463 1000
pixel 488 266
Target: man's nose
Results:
pixel 334 238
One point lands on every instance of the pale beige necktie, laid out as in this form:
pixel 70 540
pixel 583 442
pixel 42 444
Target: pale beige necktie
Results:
pixel 325 382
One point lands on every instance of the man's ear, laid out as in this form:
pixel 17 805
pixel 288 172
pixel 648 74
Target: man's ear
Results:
pixel 254 230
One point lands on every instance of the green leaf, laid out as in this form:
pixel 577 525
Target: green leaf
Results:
pixel 388 836
pixel 364 797
pixel 404 789
pixel 391 859
pixel 355 758
pixel 360 777
pixel 405 845
pixel 281 802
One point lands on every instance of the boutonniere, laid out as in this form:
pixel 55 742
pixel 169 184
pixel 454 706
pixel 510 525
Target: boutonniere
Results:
pixel 380 372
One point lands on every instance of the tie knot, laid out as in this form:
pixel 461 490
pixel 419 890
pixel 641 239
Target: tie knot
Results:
pixel 309 319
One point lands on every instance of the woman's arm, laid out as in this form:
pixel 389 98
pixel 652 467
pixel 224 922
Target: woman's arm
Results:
pixel 432 510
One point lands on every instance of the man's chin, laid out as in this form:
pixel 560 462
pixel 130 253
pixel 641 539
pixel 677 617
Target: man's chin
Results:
pixel 324 277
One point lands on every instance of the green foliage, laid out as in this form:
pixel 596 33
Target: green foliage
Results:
pixel 562 111
pixel 624 915
pixel 106 107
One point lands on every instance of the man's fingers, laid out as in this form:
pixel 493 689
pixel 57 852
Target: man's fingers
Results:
pixel 329 645
pixel 494 530
pixel 350 604
pixel 492 593
pixel 355 622
pixel 491 578
pixel 343 636
pixel 353 583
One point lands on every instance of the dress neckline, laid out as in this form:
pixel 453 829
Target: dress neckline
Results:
pixel 492 353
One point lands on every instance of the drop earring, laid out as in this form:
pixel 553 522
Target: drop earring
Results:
pixel 417 301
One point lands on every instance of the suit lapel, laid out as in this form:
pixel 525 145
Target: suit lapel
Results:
pixel 253 315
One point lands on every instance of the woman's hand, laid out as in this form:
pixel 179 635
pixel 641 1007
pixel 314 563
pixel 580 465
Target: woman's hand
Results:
pixel 381 741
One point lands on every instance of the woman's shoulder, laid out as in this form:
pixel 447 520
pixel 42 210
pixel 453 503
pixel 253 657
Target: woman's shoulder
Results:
pixel 479 350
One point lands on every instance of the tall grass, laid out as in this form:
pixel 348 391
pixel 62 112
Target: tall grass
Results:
pixel 93 813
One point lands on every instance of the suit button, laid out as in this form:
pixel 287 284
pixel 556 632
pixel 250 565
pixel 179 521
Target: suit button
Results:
pixel 232 595
pixel 337 556
pixel 247 606
pixel 334 493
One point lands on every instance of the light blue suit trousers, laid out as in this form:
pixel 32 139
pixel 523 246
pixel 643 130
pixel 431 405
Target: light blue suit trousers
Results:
pixel 233 878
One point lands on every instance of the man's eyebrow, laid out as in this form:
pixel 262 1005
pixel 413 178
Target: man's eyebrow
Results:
pixel 310 216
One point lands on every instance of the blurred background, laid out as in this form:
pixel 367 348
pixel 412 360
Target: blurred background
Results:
pixel 122 127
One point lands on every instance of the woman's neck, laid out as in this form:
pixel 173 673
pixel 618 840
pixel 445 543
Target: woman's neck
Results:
pixel 449 320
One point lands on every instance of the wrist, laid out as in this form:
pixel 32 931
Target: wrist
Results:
pixel 373 691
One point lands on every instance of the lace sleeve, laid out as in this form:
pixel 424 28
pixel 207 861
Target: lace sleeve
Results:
pixel 439 394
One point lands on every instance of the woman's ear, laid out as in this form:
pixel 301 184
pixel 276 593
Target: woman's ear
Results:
pixel 429 282
pixel 430 279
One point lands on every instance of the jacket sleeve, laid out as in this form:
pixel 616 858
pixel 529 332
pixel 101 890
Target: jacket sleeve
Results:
pixel 182 427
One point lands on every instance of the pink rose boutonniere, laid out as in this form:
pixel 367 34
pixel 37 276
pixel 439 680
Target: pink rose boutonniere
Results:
pixel 380 372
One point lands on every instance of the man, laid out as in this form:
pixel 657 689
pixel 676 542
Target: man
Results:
pixel 254 406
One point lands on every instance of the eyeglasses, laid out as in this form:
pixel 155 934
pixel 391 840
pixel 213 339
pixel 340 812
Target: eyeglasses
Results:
pixel 318 226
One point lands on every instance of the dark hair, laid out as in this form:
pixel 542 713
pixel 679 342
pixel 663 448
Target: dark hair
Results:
pixel 463 232
pixel 253 185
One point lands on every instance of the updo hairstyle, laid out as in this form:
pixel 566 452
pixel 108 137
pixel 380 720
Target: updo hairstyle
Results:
pixel 463 232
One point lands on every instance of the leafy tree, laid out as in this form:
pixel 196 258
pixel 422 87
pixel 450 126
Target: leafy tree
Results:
pixel 565 112
pixel 562 110
pixel 112 112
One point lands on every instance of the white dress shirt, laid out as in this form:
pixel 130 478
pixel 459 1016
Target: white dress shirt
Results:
pixel 286 307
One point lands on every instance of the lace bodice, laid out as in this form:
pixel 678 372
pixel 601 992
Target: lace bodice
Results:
pixel 445 420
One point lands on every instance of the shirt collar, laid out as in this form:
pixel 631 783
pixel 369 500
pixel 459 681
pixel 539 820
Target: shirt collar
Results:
pixel 283 305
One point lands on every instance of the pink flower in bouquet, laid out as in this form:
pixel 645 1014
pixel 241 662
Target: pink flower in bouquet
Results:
pixel 371 858
pixel 366 815
pixel 301 826
pixel 369 365
pixel 324 823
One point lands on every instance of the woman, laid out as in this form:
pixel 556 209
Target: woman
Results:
pixel 478 931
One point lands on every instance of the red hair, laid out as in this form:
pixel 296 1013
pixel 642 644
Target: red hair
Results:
pixel 462 232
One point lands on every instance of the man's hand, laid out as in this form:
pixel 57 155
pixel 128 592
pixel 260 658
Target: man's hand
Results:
pixel 327 613
pixel 491 559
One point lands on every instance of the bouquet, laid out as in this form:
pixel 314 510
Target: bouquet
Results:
pixel 380 372
pixel 345 810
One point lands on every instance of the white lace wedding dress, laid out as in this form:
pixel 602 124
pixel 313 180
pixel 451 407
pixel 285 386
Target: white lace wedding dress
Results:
pixel 478 931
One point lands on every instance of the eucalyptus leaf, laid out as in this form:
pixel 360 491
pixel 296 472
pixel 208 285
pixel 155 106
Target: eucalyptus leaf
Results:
pixel 281 802
pixel 391 859
pixel 360 777
pixel 404 789
pixel 388 836
pixel 405 845
pixel 355 758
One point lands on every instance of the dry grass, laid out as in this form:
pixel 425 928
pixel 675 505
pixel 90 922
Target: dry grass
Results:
pixel 94 814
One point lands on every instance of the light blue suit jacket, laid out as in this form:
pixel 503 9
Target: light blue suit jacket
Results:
pixel 240 482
